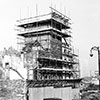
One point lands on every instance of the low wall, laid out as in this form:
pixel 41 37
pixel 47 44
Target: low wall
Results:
pixel 41 93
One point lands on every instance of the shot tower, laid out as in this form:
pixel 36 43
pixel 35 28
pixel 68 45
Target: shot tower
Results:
pixel 48 54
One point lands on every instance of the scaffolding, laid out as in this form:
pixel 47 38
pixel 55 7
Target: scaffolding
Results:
pixel 47 49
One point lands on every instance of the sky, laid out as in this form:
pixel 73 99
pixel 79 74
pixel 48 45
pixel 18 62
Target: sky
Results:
pixel 85 16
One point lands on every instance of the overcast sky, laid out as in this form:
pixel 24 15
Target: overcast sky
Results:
pixel 85 15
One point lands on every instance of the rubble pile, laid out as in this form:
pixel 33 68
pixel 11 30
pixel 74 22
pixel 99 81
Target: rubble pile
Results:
pixel 12 90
